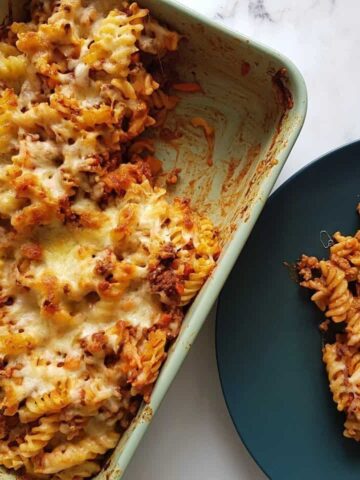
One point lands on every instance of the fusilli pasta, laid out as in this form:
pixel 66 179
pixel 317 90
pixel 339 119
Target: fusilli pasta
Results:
pixel 39 436
pixel 336 285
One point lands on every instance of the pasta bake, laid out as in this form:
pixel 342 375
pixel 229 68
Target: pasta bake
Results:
pixel 97 266
pixel 335 283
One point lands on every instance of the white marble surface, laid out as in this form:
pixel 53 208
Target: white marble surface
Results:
pixel 192 436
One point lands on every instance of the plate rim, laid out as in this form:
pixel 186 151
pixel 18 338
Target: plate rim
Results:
pixel 273 195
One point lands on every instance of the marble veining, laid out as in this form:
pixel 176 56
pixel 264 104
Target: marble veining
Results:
pixel 257 9
pixel 227 10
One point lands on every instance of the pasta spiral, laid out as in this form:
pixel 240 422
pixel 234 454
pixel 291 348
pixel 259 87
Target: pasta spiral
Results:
pixel 71 454
pixel 8 103
pixel 50 402
pixel 337 293
pixel 13 69
pixel 344 246
pixel 39 436
pixel 208 242
pixel 10 458
pixel 96 392
pixel 339 296
pixel 352 428
pixel 115 42
pixel 152 356
pixel 337 376
pixel 202 268
pixel 353 326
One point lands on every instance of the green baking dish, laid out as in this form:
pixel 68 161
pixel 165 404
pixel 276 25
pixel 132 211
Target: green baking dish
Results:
pixel 255 99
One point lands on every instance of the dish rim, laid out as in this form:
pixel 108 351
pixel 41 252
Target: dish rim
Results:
pixel 274 195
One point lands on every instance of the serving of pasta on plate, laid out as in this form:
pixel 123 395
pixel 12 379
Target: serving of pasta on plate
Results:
pixel 97 266
pixel 336 286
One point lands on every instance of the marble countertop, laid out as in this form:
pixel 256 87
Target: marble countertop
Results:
pixel 192 436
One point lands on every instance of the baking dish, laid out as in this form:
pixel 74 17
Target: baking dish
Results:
pixel 255 100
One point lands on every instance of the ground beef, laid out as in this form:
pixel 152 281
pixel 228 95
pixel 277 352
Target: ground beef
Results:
pixel 95 344
pixel 7 424
pixel 120 180
pixel 165 281
pixel 32 251
pixel 106 264
pixel 177 315
pixel 167 253
pixel 171 320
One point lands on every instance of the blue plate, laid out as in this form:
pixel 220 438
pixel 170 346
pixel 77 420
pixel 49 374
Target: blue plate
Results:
pixel 268 343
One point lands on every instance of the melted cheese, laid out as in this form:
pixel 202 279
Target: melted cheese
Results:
pixel 145 312
pixel 72 256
